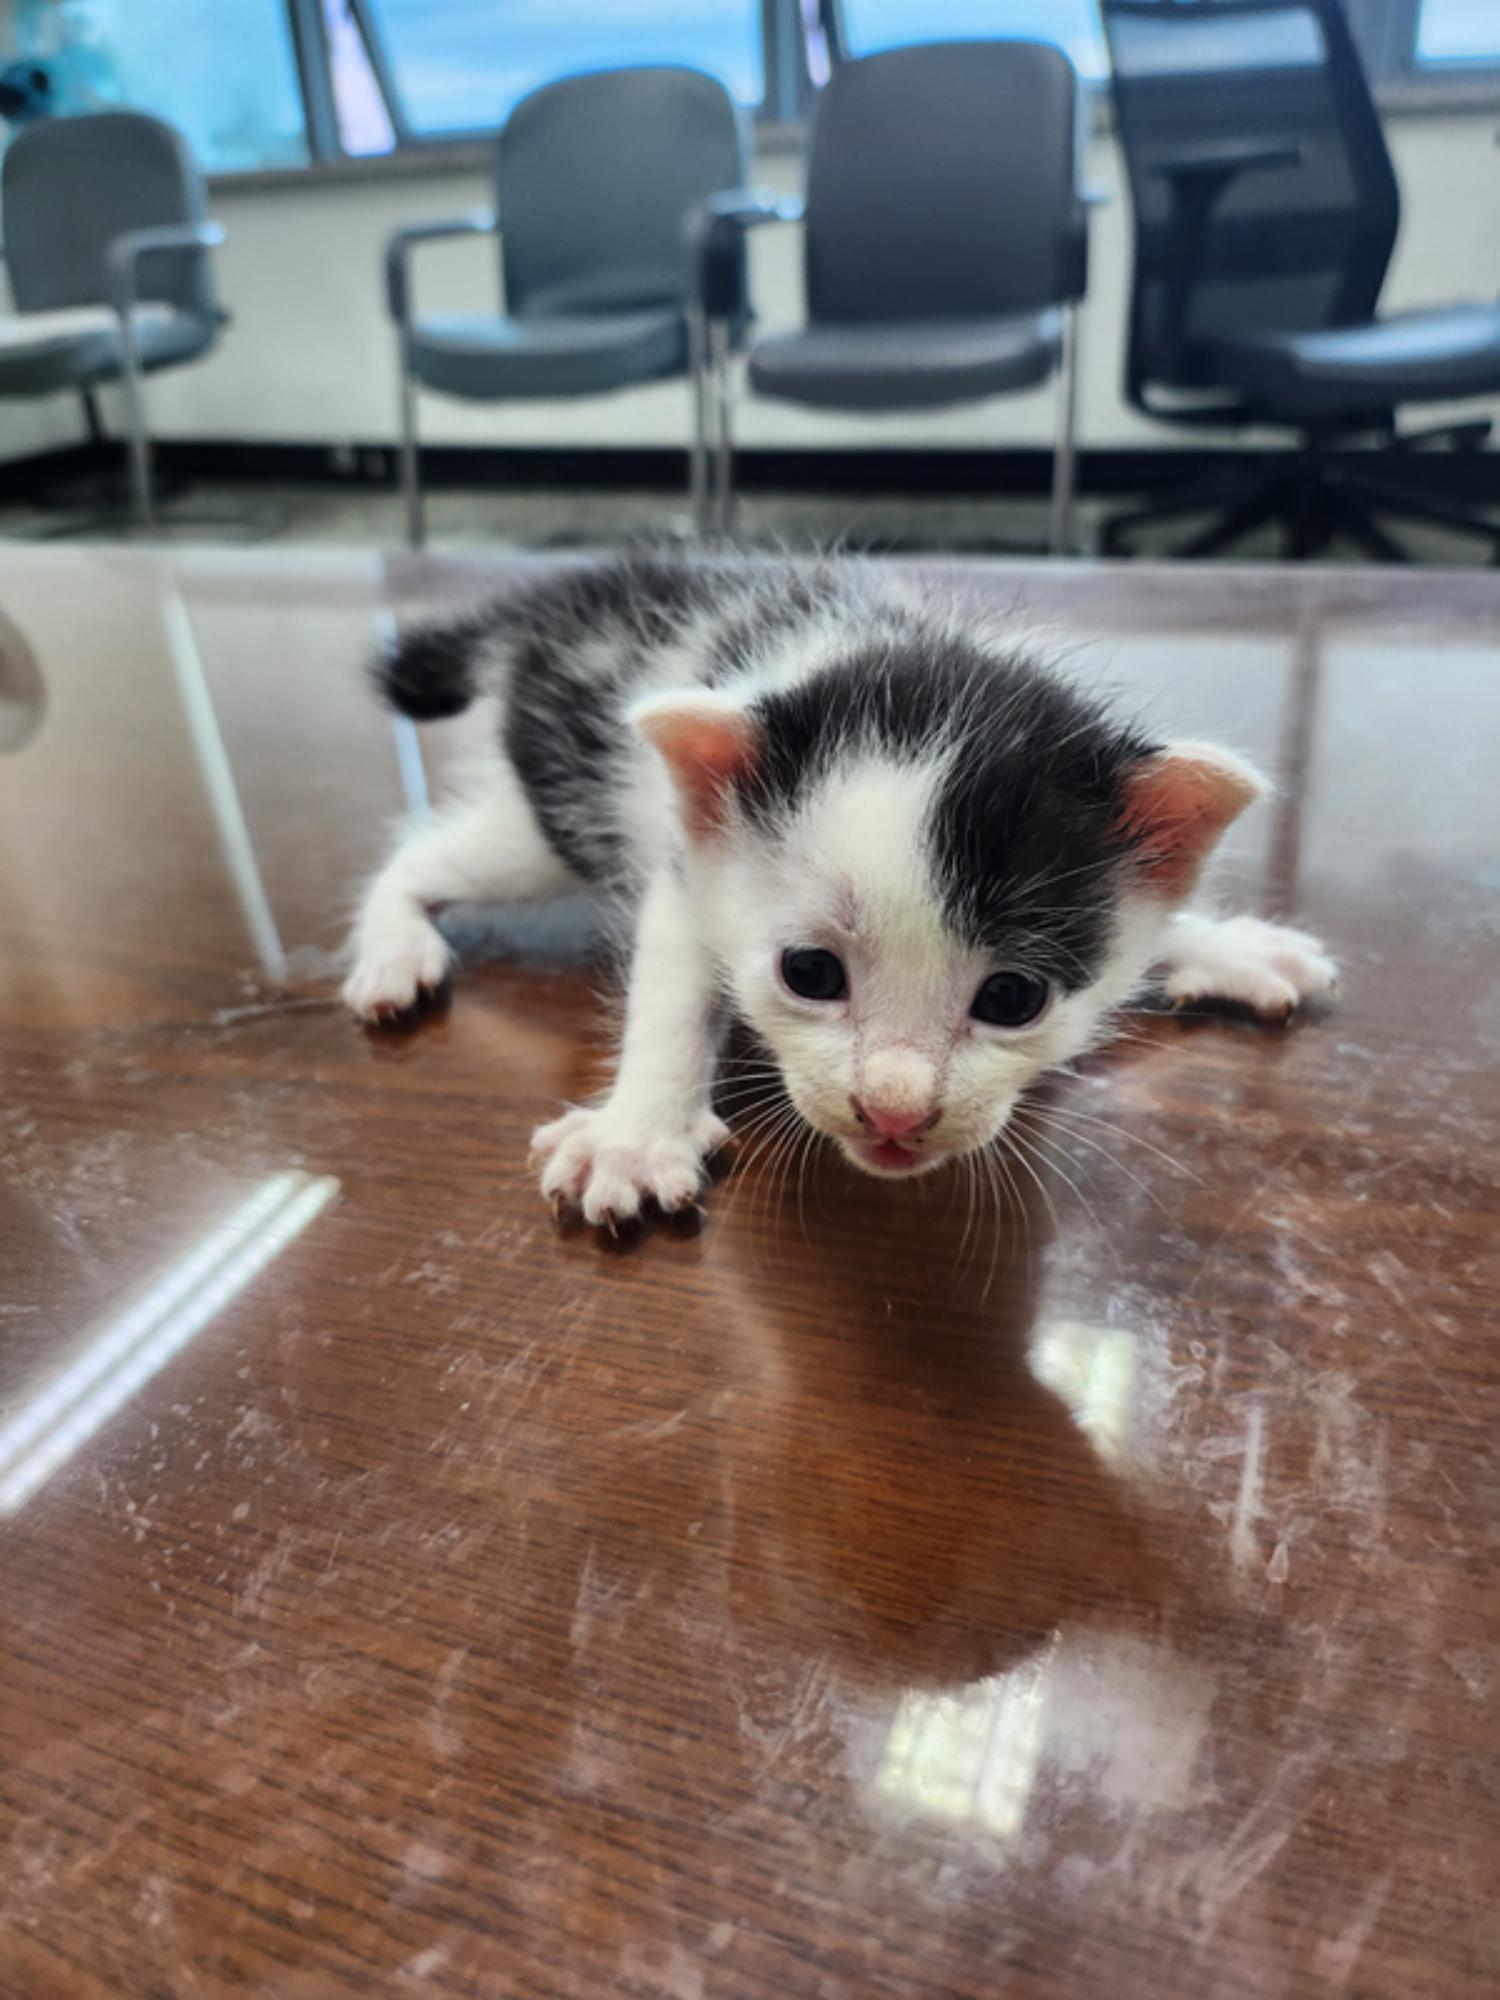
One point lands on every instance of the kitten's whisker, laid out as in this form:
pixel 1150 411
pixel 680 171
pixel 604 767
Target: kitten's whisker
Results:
pixel 1119 1131
pixel 1031 1145
pixel 1008 1141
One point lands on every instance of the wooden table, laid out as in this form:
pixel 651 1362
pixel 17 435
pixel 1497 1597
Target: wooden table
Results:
pixel 401 1597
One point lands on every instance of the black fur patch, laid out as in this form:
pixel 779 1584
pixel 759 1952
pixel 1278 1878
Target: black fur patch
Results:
pixel 582 646
pixel 1024 831
pixel 429 674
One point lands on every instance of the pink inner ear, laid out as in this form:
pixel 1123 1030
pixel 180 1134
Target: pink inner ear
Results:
pixel 1177 805
pixel 706 751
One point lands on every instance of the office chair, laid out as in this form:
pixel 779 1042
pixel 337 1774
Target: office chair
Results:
pixel 945 244
pixel 106 240
pixel 1266 210
pixel 594 176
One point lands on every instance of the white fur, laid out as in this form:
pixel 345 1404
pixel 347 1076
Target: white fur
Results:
pixel 485 846
pixel 847 872
pixel 1266 967
pixel 649 1138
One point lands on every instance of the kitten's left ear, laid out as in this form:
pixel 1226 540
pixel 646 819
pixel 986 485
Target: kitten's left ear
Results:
pixel 1178 802
pixel 707 742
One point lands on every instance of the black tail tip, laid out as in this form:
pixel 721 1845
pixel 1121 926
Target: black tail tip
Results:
pixel 427 673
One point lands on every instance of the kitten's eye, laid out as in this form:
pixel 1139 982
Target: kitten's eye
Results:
pixel 814 975
pixel 1010 999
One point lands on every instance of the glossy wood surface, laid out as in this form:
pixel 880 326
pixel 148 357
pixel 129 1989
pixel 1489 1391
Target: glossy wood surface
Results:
pixel 861 1597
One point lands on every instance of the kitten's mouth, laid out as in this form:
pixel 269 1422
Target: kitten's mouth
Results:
pixel 889 1158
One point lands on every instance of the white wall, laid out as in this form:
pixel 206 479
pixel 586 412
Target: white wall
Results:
pixel 310 355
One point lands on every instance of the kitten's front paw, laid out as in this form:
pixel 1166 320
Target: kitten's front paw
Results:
pixel 1269 968
pixel 390 978
pixel 609 1166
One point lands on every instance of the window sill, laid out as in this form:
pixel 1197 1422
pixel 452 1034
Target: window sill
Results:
pixel 1411 97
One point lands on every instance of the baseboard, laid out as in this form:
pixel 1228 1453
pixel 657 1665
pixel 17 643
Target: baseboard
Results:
pixel 39 472
pixel 1024 473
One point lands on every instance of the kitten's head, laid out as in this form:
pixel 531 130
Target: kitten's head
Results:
pixel 928 873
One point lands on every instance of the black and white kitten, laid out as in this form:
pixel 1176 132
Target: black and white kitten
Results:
pixel 923 870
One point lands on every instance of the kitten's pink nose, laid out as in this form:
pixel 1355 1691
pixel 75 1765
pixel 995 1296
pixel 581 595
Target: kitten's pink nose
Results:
pixel 889 1123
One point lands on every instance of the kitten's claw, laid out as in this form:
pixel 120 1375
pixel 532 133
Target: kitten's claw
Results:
pixel 606 1165
pixel 1268 968
pixel 389 980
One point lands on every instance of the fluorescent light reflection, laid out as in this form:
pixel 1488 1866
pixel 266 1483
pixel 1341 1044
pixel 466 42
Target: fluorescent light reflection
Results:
pixel 413 771
pixel 128 1350
pixel 218 779
pixel 1092 1368
pixel 971 1757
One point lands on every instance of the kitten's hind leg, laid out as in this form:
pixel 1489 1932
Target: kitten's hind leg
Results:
pixel 487 848
pixel 1268 968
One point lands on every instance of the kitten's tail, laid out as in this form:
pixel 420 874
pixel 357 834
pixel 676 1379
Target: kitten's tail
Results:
pixel 431 671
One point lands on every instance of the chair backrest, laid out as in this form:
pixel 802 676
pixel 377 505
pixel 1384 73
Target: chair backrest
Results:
pixel 943 183
pixel 595 175
pixel 1288 247
pixel 70 186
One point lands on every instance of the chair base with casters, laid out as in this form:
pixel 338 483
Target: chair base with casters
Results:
pixel 1317 498
pixel 1266 213
pixel 1340 387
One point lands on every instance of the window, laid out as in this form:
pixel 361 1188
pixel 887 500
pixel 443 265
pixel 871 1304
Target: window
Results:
pixel 1072 24
pixel 460 65
pixel 222 71
pixel 255 84
pixel 1459 31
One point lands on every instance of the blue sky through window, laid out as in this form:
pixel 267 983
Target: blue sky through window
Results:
pixel 1459 31
pixel 461 65
pixel 221 71
pixel 1072 24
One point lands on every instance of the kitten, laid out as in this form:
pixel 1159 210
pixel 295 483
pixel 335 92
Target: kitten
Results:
pixel 921 869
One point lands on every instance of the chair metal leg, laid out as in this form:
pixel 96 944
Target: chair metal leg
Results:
pixel 135 420
pixel 1266 501
pixel 698 488
pixel 723 440
pixel 1357 523
pixel 411 467
pixel 1060 530
pixel 1385 498
pixel 1218 488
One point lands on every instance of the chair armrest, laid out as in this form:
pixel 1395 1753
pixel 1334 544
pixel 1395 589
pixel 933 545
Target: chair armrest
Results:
pixel 1227 158
pixel 478 222
pixel 1198 176
pixel 126 251
pixel 713 240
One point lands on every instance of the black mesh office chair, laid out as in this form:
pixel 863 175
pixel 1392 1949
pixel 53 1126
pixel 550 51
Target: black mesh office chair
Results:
pixel 594 177
pixel 105 239
pixel 946 242
pixel 1266 210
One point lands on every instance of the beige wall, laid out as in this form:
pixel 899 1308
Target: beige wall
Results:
pixel 309 357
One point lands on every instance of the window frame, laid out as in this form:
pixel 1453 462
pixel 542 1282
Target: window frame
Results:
pixel 783 104
pixel 1469 78
pixel 1387 32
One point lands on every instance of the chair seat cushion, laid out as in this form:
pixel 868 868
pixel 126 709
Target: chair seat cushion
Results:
pixel 80 345
pixel 1408 358
pixel 484 357
pixel 907 364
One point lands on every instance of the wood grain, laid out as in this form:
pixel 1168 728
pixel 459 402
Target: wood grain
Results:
pixel 868 1595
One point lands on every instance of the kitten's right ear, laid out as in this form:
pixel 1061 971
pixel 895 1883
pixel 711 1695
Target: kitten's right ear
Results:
pixel 707 742
pixel 1178 801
